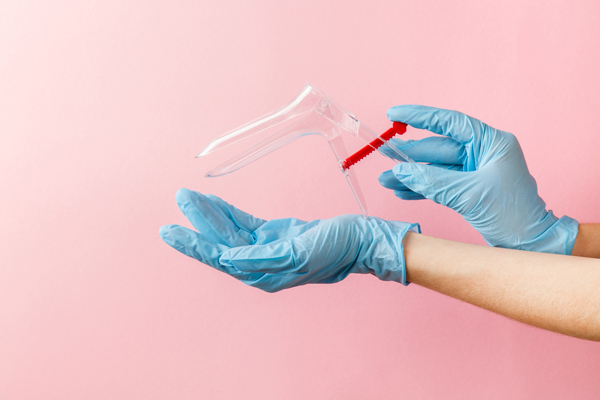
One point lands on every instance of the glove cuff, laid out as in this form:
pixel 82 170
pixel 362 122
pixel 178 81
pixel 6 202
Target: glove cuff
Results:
pixel 559 238
pixel 397 272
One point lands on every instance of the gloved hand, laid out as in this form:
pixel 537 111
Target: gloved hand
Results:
pixel 283 253
pixel 479 172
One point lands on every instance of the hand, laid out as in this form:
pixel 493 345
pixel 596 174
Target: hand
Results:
pixel 283 253
pixel 479 172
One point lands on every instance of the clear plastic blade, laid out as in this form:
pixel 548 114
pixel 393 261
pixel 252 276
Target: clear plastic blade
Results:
pixel 305 126
pixel 303 103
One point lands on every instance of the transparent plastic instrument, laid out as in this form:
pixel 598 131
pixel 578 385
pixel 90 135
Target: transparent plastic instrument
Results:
pixel 309 113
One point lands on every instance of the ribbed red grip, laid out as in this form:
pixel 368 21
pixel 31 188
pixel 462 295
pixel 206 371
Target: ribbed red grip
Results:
pixel 398 128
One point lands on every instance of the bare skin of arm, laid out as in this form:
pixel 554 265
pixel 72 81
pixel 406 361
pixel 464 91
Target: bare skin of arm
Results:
pixel 554 292
pixel 587 243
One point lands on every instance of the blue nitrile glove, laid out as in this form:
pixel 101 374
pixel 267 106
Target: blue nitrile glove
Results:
pixel 479 172
pixel 283 253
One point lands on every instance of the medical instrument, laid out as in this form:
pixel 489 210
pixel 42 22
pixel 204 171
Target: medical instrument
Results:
pixel 310 113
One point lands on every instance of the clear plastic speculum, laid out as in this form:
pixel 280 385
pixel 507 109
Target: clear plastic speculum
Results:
pixel 310 113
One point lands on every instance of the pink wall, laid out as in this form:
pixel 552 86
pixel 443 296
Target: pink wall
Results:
pixel 103 106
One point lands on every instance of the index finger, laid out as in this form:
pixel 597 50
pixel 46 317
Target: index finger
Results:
pixel 241 219
pixel 210 220
pixel 454 124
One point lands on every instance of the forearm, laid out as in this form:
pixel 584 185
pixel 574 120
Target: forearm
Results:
pixel 587 243
pixel 553 292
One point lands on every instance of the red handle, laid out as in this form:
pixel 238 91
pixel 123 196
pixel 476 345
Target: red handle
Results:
pixel 397 128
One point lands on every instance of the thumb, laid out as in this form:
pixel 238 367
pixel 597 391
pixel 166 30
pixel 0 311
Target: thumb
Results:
pixel 269 258
pixel 435 183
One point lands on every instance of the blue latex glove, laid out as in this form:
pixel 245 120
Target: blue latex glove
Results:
pixel 283 253
pixel 479 172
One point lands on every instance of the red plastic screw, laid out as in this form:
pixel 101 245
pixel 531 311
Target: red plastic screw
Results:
pixel 398 128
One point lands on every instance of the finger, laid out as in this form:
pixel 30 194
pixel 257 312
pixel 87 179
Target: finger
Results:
pixel 192 244
pixel 454 124
pixel 407 194
pixel 281 263
pixel 389 181
pixel 285 228
pixel 443 186
pixel 195 245
pixel 240 218
pixel 434 150
pixel 274 258
pixel 210 220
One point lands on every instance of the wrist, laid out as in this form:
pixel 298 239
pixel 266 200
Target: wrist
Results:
pixel 384 267
pixel 587 242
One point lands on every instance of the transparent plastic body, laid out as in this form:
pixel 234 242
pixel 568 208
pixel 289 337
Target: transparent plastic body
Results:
pixel 309 113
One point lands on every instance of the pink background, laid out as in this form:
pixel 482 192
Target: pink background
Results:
pixel 103 106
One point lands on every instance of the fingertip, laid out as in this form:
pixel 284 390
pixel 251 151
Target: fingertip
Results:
pixel 229 254
pixel 387 179
pixel 401 170
pixel 183 196
pixel 164 229
pixel 194 206
pixel 227 260
pixel 404 112
pixel 394 112
pixel 166 234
